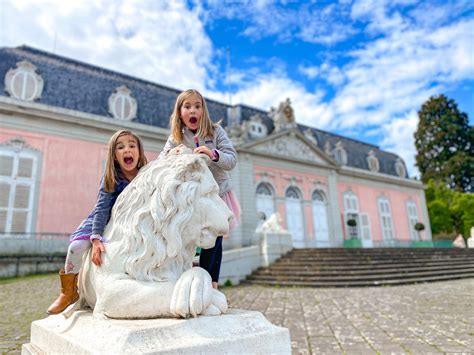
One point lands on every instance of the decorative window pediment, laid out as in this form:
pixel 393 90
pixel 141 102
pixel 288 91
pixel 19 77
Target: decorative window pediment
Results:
pixel 23 82
pixel 122 105
pixel 373 162
pixel 400 168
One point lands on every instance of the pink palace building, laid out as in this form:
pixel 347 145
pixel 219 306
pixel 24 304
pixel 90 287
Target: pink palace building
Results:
pixel 57 114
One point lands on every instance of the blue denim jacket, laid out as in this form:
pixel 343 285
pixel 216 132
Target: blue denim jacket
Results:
pixel 97 220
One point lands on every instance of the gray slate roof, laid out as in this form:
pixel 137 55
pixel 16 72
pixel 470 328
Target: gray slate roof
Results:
pixel 83 87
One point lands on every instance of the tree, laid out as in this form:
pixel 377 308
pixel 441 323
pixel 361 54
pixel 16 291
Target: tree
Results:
pixel 445 144
pixel 451 212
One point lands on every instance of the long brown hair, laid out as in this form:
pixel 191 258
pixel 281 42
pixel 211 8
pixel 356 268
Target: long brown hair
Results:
pixel 206 126
pixel 112 168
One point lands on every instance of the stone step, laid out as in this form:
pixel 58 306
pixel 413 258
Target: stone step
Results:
pixel 349 262
pixel 312 272
pixel 365 267
pixel 360 266
pixel 359 283
pixel 348 277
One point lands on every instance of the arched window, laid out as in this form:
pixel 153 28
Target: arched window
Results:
pixel 265 199
pixel 294 215
pixel 122 105
pixel 18 171
pixel 320 219
pixel 23 82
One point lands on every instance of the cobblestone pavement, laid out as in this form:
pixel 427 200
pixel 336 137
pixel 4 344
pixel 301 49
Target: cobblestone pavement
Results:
pixel 419 319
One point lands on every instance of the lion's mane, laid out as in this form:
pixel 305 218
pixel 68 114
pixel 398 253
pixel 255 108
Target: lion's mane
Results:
pixel 151 214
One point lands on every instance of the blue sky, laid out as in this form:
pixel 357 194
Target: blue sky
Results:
pixel 357 68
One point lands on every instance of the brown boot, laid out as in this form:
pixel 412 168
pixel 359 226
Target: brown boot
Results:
pixel 68 294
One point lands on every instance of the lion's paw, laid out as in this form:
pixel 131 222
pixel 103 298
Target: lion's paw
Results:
pixel 193 295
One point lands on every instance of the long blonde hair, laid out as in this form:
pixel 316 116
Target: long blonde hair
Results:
pixel 206 126
pixel 112 168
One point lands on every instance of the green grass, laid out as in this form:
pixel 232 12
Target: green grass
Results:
pixel 6 280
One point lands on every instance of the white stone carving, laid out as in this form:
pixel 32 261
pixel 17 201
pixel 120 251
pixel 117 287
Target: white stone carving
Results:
pixel 459 242
pixel 470 241
pixel 168 210
pixel 284 116
pixel 272 225
pixel 290 147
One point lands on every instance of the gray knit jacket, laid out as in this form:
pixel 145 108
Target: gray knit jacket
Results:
pixel 224 148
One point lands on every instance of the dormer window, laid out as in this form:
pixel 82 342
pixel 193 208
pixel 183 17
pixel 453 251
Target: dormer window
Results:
pixel 23 82
pixel 340 154
pixel 257 128
pixel 400 168
pixel 373 162
pixel 122 105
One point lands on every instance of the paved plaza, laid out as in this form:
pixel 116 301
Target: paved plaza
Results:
pixel 419 319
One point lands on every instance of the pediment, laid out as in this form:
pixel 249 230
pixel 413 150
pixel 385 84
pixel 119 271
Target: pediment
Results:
pixel 292 146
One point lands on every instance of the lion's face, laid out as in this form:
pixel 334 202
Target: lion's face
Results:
pixel 211 215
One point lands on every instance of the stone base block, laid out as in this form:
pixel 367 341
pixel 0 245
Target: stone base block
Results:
pixel 237 332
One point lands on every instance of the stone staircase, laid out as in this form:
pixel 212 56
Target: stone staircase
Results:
pixel 340 267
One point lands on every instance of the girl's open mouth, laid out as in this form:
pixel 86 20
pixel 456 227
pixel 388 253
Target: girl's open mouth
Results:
pixel 128 160
pixel 193 120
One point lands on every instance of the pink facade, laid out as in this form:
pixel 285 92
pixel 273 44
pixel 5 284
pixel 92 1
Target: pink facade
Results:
pixel 281 179
pixel 368 196
pixel 69 175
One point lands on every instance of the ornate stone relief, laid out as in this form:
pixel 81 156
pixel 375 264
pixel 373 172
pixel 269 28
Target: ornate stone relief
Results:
pixel 290 147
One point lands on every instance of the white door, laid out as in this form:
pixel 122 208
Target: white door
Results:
pixel 294 217
pixel 320 221
pixel 365 230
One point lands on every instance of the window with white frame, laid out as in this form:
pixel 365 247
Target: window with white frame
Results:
pixel 386 222
pixel 351 211
pixel 265 199
pixel 122 105
pixel 23 82
pixel 412 213
pixel 18 170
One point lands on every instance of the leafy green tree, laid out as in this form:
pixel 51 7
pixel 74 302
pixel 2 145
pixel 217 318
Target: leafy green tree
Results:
pixel 451 212
pixel 445 144
pixel 440 218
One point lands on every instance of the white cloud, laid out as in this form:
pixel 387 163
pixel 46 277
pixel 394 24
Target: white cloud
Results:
pixel 164 42
pixel 398 138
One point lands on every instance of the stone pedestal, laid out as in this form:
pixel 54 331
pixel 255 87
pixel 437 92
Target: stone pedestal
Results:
pixel 236 332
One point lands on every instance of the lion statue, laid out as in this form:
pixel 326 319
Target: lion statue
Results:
pixel 168 210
